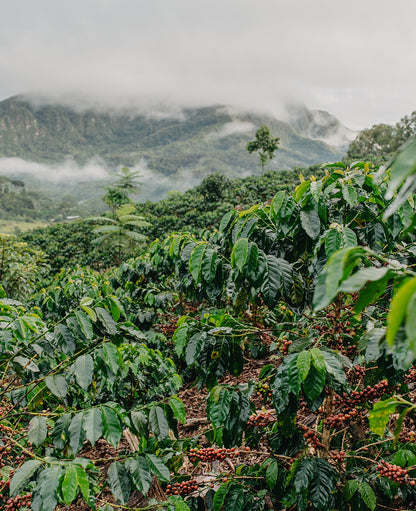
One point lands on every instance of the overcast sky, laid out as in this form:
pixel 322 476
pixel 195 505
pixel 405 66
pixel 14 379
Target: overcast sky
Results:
pixel 355 58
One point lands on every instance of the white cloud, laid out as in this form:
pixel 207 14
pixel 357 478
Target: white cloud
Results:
pixel 352 58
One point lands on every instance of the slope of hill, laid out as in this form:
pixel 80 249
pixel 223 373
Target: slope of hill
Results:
pixel 195 142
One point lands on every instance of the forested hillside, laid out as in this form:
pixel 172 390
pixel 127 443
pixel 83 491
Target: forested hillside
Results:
pixel 258 357
pixel 198 141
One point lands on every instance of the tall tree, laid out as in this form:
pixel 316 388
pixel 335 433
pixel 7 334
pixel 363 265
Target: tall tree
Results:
pixel 264 144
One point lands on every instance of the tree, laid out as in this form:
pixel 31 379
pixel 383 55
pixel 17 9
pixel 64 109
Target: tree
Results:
pixel 118 193
pixel 264 144
pixel 119 232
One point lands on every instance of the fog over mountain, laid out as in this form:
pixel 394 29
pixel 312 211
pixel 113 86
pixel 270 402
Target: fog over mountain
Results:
pixel 173 147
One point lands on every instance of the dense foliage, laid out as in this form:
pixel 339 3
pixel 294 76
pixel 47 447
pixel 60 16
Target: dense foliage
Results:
pixel 316 286
pixel 381 141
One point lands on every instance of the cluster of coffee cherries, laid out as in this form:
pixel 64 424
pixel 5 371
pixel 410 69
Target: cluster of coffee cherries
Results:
pixel 19 502
pixel 311 437
pixel 183 488
pixel 410 376
pixel 211 454
pixel 284 346
pixel 263 390
pixel 338 456
pixel 339 420
pixel 261 420
pixel 356 374
pixel 407 436
pixel 364 396
pixel 395 473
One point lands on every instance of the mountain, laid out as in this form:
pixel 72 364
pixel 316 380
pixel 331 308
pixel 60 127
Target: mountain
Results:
pixel 190 142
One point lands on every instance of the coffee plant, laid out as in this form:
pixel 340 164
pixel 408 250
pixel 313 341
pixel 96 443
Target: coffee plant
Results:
pixel 266 364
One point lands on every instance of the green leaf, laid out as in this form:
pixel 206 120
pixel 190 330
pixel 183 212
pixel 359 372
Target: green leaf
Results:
pixel 318 360
pixel 111 426
pixel 85 324
pixel 334 367
pixel 219 497
pixel 209 265
pixel 76 432
pixel 112 357
pixel 47 487
pixel 368 495
pixel 119 482
pixel 178 503
pixel 218 409
pixel 158 468
pixel 398 307
pixel 57 385
pixel 380 415
pixel 272 473
pixel 277 203
pixel 194 347
pixel 348 237
pixel 349 194
pixel 311 223
pixel 107 321
pixel 37 430
pixel 60 434
pixel 303 363
pixel 234 499
pixel 178 409
pixel 239 253
pixel 271 280
pixel 350 488
pixel 332 242
pixel 84 371
pixel 70 484
pixel 195 261
pixel 140 473
pixel 410 325
pixel 314 384
pixel 159 423
pixel 92 425
pixel 358 279
pixel 403 166
pixel 180 338
pixel 23 475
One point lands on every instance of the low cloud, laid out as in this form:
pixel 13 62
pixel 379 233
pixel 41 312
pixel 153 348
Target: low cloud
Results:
pixel 68 171
pixel 232 128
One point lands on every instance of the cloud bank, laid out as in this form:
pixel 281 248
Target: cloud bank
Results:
pixel 353 58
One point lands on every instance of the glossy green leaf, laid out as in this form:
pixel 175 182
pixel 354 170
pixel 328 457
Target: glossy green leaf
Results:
pixel 332 242
pixel 60 433
pixel 140 473
pixel 48 483
pixel 350 488
pixel 92 424
pixel 57 385
pixel 37 430
pixel 178 409
pixel 107 320
pixel 159 423
pixel 380 415
pixel 23 475
pixel 318 360
pixel 157 467
pixel 271 280
pixel 311 223
pixel 112 357
pixel 398 307
pixel 368 495
pixel 314 384
pixel 195 261
pixel 85 324
pixel 84 370
pixel 303 363
pixel 111 426
pixel 119 481
pixel 69 486
pixel 272 473
pixel 277 203
pixel 239 253
pixel 76 432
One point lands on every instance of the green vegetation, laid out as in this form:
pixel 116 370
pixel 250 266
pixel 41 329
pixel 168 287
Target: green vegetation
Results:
pixel 195 142
pixel 379 143
pixel 259 354
pixel 265 145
